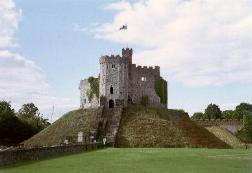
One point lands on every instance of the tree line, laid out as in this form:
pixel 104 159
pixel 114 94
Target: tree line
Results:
pixel 16 127
pixel 214 112
pixel 243 112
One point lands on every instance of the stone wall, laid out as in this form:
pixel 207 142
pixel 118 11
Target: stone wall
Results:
pixel 17 155
pixel 231 125
pixel 142 83
pixel 84 102
pixel 128 81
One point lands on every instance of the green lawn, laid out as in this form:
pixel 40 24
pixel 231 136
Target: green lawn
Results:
pixel 143 161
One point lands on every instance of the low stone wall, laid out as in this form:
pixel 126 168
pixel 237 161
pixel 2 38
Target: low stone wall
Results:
pixel 231 125
pixel 28 154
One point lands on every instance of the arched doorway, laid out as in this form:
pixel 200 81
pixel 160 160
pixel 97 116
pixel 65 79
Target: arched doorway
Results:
pixel 111 103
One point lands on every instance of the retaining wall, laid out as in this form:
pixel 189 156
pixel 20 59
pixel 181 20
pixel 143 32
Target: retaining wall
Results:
pixel 231 125
pixel 28 154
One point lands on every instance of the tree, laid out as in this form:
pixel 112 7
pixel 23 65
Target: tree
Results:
pixel 197 116
pixel 247 120
pixel 246 132
pixel 29 113
pixel 228 114
pixel 213 111
pixel 12 130
pixel 241 109
pixel 6 112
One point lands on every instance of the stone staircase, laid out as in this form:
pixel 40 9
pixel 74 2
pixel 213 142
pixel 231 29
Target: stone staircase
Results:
pixel 111 121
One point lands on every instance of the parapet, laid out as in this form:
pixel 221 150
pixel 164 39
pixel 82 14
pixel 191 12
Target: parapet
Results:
pixel 127 52
pixel 155 70
pixel 110 59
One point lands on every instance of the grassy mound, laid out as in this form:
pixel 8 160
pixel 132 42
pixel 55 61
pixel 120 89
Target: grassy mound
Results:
pixel 226 136
pixel 67 126
pixel 152 127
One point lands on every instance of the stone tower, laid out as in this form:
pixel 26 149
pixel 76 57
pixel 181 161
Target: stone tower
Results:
pixel 121 83
pixel 114 74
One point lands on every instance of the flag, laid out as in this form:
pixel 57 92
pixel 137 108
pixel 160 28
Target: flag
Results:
pixel 123 27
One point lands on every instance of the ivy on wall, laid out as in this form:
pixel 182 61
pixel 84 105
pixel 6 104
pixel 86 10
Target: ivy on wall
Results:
pixel 161 89
pixel 94 88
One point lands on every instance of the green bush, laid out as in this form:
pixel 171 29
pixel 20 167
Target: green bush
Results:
pixel 246 132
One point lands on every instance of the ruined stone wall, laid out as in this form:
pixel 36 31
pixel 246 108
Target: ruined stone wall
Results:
pixel 84 101
pixel 27 154
pixel 142 83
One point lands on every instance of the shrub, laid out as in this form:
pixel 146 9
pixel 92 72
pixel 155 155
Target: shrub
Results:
pixel 247 127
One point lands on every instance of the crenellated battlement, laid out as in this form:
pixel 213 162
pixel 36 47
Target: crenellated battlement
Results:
pixel 110 59
pixel 126 57
pixel 127 51
pixel 150 69
pixel 123 83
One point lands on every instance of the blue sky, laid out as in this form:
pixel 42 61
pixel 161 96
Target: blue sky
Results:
pixel 204 49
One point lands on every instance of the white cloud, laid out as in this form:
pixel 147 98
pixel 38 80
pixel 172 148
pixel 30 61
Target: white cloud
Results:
pixel 195 42
pixel 7 4
pixel 21 80
pixel 122 5
pixel 19 76
pixel 9 18
pixel 77 28
pixel 228 106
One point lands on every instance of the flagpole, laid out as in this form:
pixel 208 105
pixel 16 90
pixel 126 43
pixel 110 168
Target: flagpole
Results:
pixel 124 27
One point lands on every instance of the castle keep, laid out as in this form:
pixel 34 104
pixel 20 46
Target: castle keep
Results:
pixel 121 83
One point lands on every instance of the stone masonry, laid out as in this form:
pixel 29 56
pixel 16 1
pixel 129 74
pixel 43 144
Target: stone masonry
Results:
pixel 84 102
pixel 122 83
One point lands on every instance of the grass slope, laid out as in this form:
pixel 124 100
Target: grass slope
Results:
pixel 151 127
pixel 68 125
pixel 144 161
pixel 226 136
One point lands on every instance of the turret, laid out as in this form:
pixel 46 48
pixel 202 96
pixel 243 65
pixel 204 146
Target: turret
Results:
pixel 128 54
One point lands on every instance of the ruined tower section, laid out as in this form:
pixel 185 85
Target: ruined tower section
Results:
pixel 85 101
pixel 114 80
